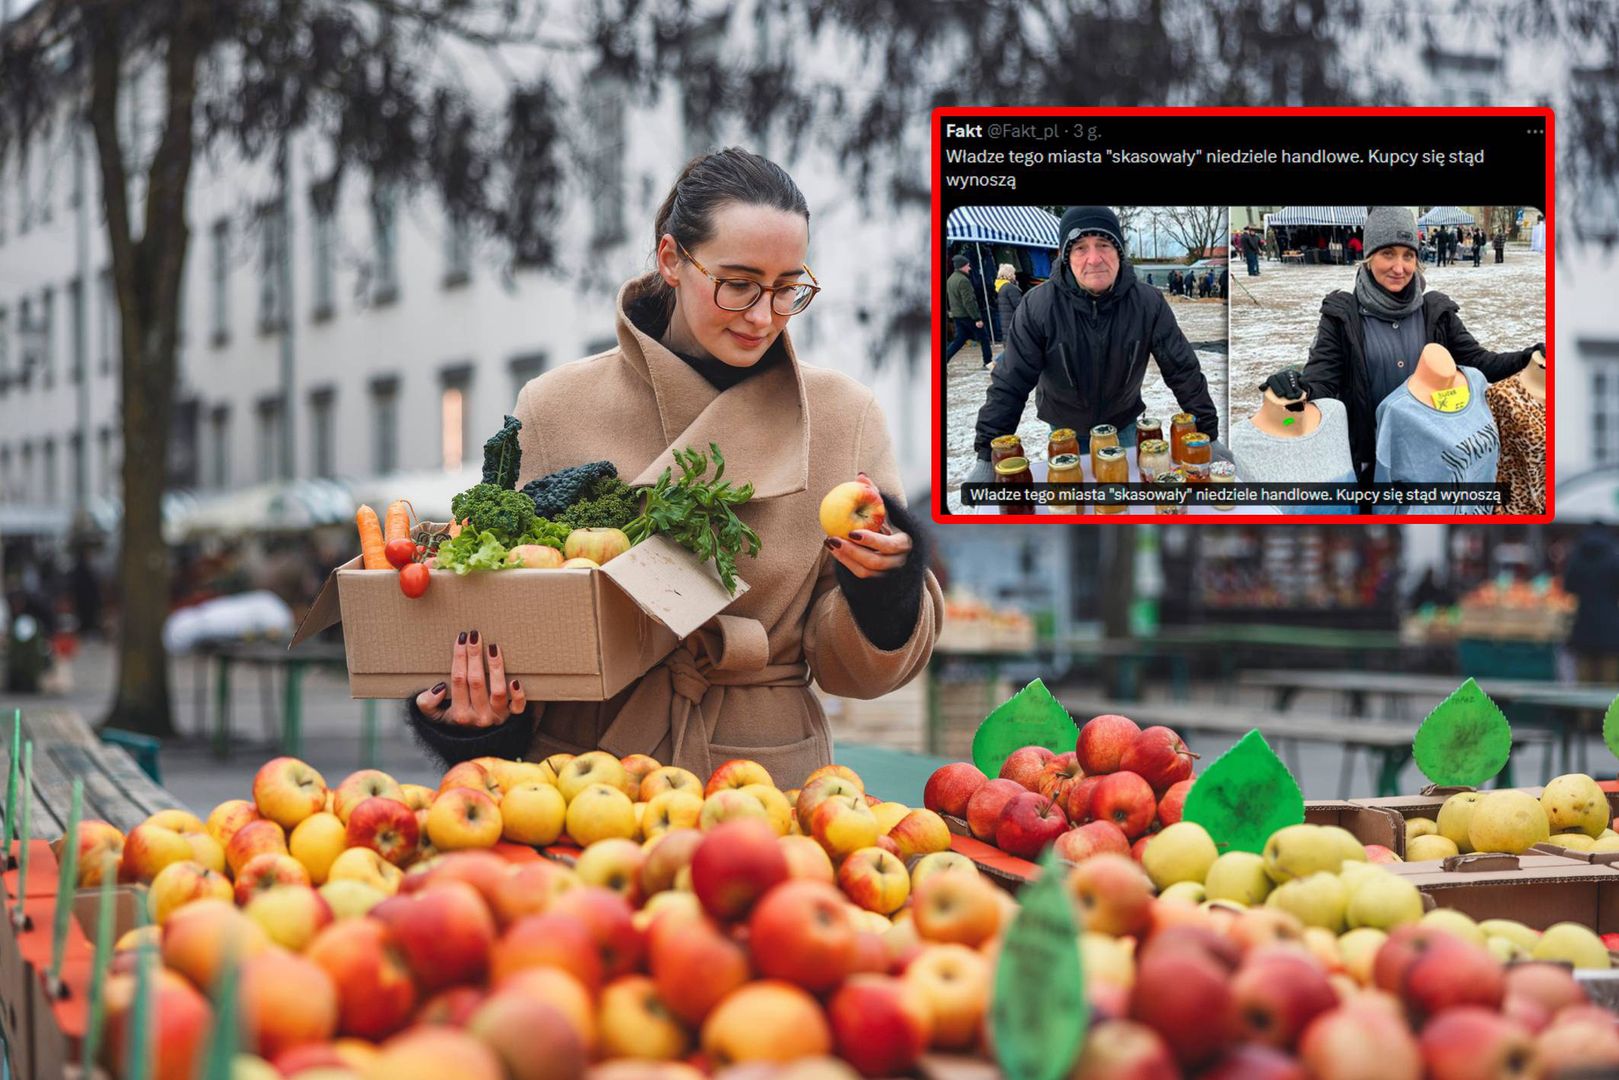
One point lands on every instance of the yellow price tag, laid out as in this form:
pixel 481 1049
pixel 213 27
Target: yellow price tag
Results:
pixel 1452 400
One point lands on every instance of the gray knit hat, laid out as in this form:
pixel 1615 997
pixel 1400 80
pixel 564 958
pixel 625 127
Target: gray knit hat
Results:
pixel 1387 226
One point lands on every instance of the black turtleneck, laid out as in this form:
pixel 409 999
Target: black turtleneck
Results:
pixel 653 322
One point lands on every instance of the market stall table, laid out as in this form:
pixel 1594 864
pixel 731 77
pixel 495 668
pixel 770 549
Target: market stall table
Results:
pixel 292 665
pixel 1037 470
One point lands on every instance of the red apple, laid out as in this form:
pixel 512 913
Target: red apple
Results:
pixel 1432 970
pixel 1254 1063
pixel 286 1000
pixel 444 932
pixel 611 921
pixel 1079 799
pixel 1183 995
pixel 1103 741
pixel 964 909
pixel 534 1040
pixel 1126 800
pixel 802 932
pixel 375 994
pixel 386 826
pixel 178 1038
pixel 286 790
pixel 1079 844
pixel 551 940
pixel 1173 803
pixel 360 786
pixel 950 786
pixel 881 1025
pixel 265 872
pixel 1377 853
pixel 688 946
pixel 1474 1043
pixel 1111 894
pixel 432 1050
pixel 1139 846
pixel 1058 777
pixel 853 506
pixel 985 806
pixel 1125 1050
pixel 1578 1047
pixel 1275 995
pixel 737 863
pixel 1023 766
pixel 1029 823
pixel 1160 756
pixel 1550 985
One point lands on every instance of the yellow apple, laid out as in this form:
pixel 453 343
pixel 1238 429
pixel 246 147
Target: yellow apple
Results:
pixel 940 862
pixel 317 841
pixel 1574 803
pixel 181 821
pixel 595 767
pixel 852 506
pixel 737 773
pixel 287 790
pixel 843 825
pixel 777 810
pixel 227 817
pixel 600 812
pixel 532 813
pixel 730 804
pixel 417 796
pixel 180 883
pixel 1182 852
pixel 368 868
pixel 1455 817
pixel 670 810
pixel 637 767
pixel 670 778
pixel 360 786
pixel 290 914
pixel 351 899
pixel 1508 820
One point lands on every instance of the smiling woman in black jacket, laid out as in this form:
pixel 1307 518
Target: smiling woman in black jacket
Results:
pixel 1080 342
pixel 1369 337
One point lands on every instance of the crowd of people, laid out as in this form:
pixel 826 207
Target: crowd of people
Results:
pixel 1192 284
pixel 1444 246
pixel 1450 246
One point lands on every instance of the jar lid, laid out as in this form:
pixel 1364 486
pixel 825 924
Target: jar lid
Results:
pixel 1011 465
pixel 1149 422
pixel 1006 440
pixel 1194 438
pixel 1063 433
pixel 1154 446
pixel 1065 461
pixel 1103 429
pixel 1110 453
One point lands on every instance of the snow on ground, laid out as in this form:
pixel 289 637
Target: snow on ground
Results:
pixel 1202 321
pixel 1274 316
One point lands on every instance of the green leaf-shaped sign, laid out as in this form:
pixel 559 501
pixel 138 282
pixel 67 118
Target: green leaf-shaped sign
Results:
pixel 1030 717
pixel 1244 796
pixel 1465 741
pixel 1610 727
pixel 1039 1011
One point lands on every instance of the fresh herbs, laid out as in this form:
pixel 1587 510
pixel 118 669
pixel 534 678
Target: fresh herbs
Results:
pixel 699 514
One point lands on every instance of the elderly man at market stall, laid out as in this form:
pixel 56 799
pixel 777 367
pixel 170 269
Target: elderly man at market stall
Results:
pixel 1080 342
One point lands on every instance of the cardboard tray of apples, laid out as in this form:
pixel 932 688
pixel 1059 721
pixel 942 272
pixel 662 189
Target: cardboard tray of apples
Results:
pixel 574 911
pixel 1114 790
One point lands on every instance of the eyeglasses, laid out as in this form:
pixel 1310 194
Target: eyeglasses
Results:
pixel 740 294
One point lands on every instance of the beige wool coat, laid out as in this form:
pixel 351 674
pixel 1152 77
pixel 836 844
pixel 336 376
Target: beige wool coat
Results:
pixel 740 686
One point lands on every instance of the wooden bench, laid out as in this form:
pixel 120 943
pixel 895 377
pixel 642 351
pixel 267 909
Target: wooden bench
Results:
pixel 116 790
pixel 1389 745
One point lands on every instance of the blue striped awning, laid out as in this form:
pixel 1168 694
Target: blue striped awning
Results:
pixel 1348 216
pixel 1446 215
pixel 1024 226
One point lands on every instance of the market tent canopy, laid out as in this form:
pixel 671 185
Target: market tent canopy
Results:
pixel 1347 216
pixel 1446 215
pixel 429 491
pixel 1022 226
pixel 275 507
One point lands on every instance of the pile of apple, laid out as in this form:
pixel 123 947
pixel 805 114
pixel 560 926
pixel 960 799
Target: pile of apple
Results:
pixel 1118 786
pixel 1572 812
pixel 1307 962
pixel 396 931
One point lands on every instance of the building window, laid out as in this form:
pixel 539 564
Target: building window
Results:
pixel 272 236
pixel 51 486
pixel 524 368
pixel 6 494
pixel 75 462
pixel 47 174
pixel 47 337
pixel 457 251
pixel 323 431
pixel 604 165
pixel 25 482
pixel 219 267
pixel 323 240
pixel 219 430
pixel 454 397
pixel 385 243
pixel 5 351
pixel 1605 412
pixel 105 466
pixel 25 211
pixel 27 343
pixel 107 326
pixel 385 425
pixel 269 438
pixel 75 302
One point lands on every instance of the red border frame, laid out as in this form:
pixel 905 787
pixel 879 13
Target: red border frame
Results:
pixel 936 250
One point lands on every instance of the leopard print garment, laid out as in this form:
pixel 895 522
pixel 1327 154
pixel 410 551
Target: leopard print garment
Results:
pixel 1522 423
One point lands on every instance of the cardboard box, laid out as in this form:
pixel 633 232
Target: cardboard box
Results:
pixel 59 1021
pixel 1368 824
pixel 1536 890
pixel 1427 803
pixel 567 635
pixel 42 871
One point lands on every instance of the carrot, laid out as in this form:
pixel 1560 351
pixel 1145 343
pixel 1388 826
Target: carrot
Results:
pixel 398 527
pixel 372 545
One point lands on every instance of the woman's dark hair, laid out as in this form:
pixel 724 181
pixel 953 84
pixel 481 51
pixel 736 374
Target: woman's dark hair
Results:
pixel 710 181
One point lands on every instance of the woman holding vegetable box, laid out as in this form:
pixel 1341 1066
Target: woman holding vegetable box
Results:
pixel 703 357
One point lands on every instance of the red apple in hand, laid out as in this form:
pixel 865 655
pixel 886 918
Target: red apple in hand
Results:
pixel 1029 822
pixel 851 506
pixel 1103 740
pixel 1023 766
pixel 951 786
pixel 985 806
pixel 1126 800
pixel 1160 757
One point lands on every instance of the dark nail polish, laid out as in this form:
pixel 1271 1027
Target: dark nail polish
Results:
pixel 516 685
pixel 473 638
pixel 857 535
pixel 439 689
pixel 833 543
pixel 462 639
pixel 494 650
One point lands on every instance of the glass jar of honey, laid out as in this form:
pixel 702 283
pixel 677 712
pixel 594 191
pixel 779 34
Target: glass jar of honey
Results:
pixel 1111 467
pixel 1153 459
pixel 1148 428
pixel 1223 472
pixel 1065 469
pixel 1062 441
pixel 1103 436
pixel 1171 480
pixel 1196 455
pixel 1005 446
pixel 1015 470
pixel 1180 424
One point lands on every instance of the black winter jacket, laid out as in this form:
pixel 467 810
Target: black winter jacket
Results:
pixel 1337 364
pixel 1084 358
pixel 1593 577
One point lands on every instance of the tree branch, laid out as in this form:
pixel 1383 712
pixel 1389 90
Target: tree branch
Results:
pixel 441 21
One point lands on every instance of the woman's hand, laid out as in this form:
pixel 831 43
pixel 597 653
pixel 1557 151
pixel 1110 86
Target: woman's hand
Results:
pixel 477 694
pixel 868 554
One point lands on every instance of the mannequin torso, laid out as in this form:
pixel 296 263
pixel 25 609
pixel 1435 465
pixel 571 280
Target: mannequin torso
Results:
pixel 1533 377
pixel 1274 418
pixel 1436 370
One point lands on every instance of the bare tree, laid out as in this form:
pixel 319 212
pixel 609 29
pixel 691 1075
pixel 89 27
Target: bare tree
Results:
pixel 1195 228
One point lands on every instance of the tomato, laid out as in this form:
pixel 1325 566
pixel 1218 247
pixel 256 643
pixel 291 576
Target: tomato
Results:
pixel 413 580
pixel 400 553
